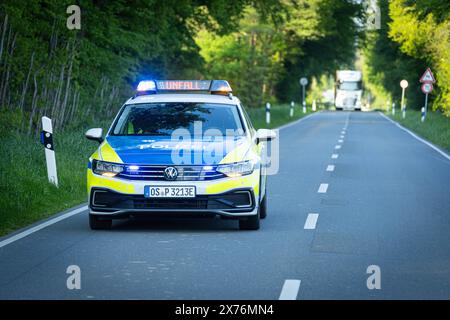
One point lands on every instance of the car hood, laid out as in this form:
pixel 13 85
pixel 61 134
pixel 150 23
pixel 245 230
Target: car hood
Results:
pixel 165 151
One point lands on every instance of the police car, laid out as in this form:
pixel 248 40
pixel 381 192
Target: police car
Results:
pixel 179 146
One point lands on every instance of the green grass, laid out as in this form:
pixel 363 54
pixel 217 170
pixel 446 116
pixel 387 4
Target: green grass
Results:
pixel 27 196
pixel 435 128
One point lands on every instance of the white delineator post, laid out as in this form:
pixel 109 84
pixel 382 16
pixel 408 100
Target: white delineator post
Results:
pixel 47 141
pixel 314 107
pixel 268 113
pixel 393 108
pixel 291 110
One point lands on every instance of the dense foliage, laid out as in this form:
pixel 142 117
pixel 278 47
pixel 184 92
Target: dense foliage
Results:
pixel 75 76
pixel 262 47
pixel 413 35
pixel 266 58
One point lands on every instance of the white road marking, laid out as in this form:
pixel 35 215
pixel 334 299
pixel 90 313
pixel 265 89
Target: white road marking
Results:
pixel 330 167
pixel 432 146
pixel 334 156
pixel 340 141
pixel 311 221
pixel 342 132
pixel 337 147
pixel 323 188
pixel 342 137
pixel 290 290
pixel 41 226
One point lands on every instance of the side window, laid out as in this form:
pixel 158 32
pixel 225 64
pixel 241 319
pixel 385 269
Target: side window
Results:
pixel 247 119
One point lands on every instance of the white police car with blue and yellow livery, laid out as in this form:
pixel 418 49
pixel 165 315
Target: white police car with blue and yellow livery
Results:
pixel 179 146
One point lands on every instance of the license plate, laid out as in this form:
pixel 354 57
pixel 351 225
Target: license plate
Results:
pixel 169 192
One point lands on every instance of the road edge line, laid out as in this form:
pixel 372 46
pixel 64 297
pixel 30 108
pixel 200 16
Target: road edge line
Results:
pixel 8 239
pixel 428 143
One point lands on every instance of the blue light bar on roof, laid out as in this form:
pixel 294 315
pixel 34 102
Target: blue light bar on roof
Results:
pixel 213 86
pixel 146 85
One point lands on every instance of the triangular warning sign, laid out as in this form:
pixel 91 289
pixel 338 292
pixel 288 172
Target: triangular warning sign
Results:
pixel 428 76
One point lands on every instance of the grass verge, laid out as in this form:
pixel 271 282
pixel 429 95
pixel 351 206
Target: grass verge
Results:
pixel 435 128
pixel 27 196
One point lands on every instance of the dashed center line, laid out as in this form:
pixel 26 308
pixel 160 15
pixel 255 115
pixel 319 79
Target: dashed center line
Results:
pixel 323 188
pixel 334 156
pixel 290 290
pixel 330 167
pixel 342 132
pixel 311 221
pixel 337 147
pixel 342 137
pixel 340 141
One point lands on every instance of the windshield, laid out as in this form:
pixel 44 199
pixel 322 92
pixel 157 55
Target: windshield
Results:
pixel 161 119
pixel 354 85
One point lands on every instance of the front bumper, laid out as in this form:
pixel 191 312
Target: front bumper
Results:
pixel 234 197
pixel 239 202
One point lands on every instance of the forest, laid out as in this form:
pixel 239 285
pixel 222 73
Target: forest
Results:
pixel 78 76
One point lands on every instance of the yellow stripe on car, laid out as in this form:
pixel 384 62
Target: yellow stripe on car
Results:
pixel 113 184
pixel 108 153
pixel 252 180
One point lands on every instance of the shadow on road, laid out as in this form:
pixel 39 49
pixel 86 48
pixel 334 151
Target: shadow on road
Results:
pixel 175 224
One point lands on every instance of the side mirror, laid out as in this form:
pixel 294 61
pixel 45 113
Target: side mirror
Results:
pixel 265 135
pixel 95 134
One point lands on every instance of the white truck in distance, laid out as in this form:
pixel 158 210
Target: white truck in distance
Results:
pixel 348 90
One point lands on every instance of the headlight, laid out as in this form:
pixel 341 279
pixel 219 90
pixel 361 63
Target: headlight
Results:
pixel 237 169
pixel 107 169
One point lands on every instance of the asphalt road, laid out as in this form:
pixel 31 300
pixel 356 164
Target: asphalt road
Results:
pixel 386 203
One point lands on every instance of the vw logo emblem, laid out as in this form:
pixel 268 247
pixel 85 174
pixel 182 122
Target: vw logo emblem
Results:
pixel 170 173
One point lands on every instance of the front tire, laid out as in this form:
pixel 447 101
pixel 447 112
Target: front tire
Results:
pixel 95 223
pixel 250 223
pixel 263 207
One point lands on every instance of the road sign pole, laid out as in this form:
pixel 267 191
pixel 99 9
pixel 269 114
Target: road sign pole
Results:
pixel 304 102
pixel 47 141
pixel 403 103
pixel 425 109
pixel 403 85
pixel 303 83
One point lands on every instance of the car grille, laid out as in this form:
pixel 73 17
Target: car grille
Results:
pixel 185 173
pixel 104 200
